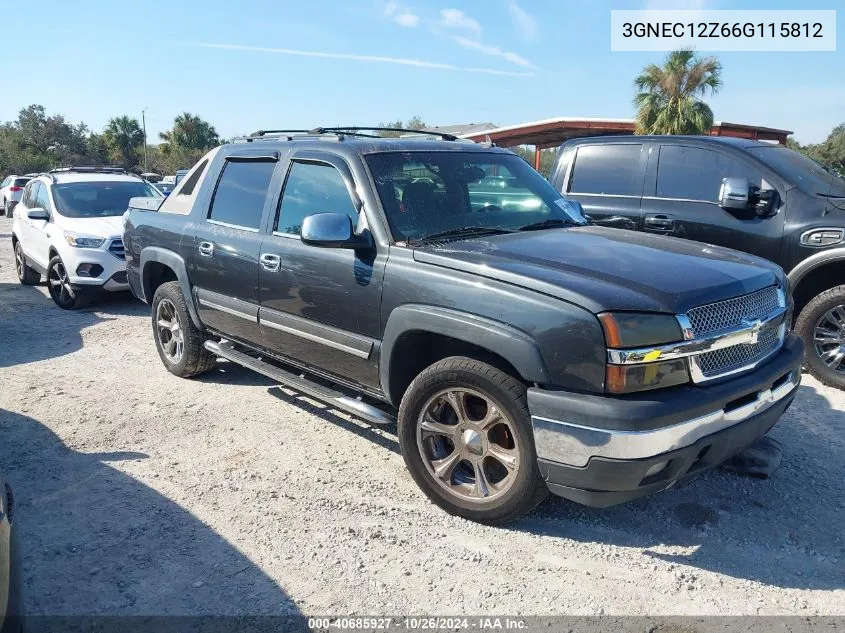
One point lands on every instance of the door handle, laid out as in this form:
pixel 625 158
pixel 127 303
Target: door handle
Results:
pixel 659 222
pixel 270 262
pixel 206 249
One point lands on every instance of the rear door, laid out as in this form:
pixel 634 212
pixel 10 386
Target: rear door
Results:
pixel 320 306
pixel 607 179
pixel 27 228
pixel 227 243
pixel 682 200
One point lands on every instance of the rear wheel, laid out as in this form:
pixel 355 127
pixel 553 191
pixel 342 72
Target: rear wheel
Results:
pixel 822 326
pixel 178 341
pixel 26 275
pixel 61 290
pixel 466 437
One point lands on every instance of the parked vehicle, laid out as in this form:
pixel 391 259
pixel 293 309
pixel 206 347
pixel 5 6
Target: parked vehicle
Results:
pixel 151 176
pixel 165 188
pixel 68 227
pixel 11 190
pixel 523 350
pixel 11 584
pixel 757 197
pixel 180 174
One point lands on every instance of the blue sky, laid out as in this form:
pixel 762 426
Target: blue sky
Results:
pixel 257 64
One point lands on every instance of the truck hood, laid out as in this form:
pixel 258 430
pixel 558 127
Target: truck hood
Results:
pixel 609 269
pixel 110 226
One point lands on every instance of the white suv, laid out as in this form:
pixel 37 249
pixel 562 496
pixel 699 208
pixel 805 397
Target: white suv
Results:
pixel 68 227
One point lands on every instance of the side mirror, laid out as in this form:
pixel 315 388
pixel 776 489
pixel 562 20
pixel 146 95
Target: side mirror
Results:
pixel 38 214
pixel 332 230
pixel 735 194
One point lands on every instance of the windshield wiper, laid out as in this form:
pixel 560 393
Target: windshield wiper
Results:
pixel 548 224
pixel 464 231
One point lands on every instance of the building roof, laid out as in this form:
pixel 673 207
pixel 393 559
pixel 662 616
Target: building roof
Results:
pixel 553 132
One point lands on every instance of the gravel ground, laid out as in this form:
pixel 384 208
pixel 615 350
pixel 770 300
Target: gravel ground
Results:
pixel 142 493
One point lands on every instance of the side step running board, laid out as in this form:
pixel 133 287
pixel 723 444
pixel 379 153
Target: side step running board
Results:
pixel 226 349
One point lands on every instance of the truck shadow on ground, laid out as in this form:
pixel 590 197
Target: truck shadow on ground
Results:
pixel 42 330
pixel 784 531
pixel 96 541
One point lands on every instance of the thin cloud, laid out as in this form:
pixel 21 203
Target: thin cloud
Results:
pixel 668 5
pixel 457 19
pixel 401 15
pixel 376 59
pixel 493 51
pixel 524 20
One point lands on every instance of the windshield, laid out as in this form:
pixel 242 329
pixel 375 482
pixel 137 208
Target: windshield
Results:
pixel 99 199
pixel 429 193
pixel 802 170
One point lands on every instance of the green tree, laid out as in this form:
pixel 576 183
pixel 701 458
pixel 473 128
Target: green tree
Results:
pixel 189 132
pixel 414 123
pixel 830 152
pixel 123 136
pixel 669 97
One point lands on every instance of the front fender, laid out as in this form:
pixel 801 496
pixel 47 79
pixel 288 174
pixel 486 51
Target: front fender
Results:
pixel 175 262
pixel 513 345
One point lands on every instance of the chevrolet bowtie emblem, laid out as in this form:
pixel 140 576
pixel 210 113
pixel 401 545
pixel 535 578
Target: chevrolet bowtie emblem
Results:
pixel 754 328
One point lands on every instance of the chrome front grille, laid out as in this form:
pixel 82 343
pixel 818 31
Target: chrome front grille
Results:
pixel 116 248
pixel 731 313
pixel 735 314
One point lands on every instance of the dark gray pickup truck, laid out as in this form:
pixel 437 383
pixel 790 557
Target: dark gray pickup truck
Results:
pixel 445 284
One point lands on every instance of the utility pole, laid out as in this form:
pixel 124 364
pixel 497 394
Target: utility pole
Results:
pixel 144 123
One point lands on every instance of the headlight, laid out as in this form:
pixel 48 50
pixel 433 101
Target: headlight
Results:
pixel 83 241
pixel 627 330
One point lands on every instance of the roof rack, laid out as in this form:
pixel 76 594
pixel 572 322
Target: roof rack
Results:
pixel 341 131
pixel 93 169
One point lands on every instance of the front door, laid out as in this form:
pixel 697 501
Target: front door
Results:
pixel 320 306
pixel 227 243
pixel 683 201
pixel 607 180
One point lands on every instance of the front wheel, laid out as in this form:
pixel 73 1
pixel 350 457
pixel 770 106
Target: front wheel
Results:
pixel 466 437
pixel 822 326
pixel 178 341
pixel 61 290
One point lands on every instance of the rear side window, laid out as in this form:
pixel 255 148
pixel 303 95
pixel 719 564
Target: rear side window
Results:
pixel 241 191
pixel 611 170
pixel 312 188
pixel 692 173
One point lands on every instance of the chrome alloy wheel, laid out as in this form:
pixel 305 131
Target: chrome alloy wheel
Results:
pixel 829 339
pixel 169 331
pixel 468 444
pixel 19 264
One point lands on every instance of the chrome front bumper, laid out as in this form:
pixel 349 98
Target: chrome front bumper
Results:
pixel 572 444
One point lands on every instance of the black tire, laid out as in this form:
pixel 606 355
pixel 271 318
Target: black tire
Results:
pixel 26 275
pixel 194 359
pixel 61 292
pixel 525 491
pixel 7 211
pixel 805 326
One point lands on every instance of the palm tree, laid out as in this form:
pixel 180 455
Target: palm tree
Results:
pixel 190 132
pixel 123 136
pixel 669 97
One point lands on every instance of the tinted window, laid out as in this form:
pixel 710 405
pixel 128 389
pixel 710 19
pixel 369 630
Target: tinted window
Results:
pixel 188 187
pixel 239 199
pixel 608 169
pixel 92 199
pixel 29 194
pixel 692 173
pixel 313 188
pixel 43 199
pixel 20 182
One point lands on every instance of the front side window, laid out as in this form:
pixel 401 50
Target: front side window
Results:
pixel 428 193
pixel 312 188
pixel 30 194
pixel 97 199
pixel 692 173
pixel 42 199
pixel 610 170
pixel 241 192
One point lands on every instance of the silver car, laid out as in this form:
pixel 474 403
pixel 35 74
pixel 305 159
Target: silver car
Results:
pixel 11 190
